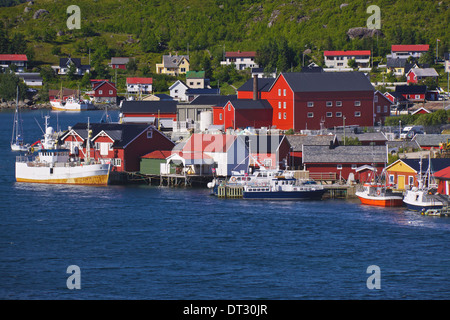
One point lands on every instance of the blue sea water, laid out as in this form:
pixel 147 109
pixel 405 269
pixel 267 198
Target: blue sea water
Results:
pixel 147 242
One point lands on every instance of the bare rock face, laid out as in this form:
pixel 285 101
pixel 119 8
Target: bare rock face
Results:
pixel 361 33
pixel 39 13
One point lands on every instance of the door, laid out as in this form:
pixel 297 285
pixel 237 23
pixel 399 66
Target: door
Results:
pixel 401 182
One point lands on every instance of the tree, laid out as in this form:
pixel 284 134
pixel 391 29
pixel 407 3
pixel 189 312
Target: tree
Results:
pixel 8 87
pixel 72 73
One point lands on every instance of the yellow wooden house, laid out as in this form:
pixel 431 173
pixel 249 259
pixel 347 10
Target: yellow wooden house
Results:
pixel 404 173
pixel 173 65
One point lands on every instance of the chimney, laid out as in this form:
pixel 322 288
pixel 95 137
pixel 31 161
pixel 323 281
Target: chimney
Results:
pixel 255 87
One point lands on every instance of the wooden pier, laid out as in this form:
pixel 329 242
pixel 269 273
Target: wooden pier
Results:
pixel 340 191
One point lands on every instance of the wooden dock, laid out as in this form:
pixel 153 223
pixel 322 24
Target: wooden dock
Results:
pixel 340 191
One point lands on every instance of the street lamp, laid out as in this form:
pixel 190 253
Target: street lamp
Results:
pixel 343 127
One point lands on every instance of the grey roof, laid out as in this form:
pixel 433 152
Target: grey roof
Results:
pixel 214 100
pixel 240 104
pixel 431 139
pixel 328 81
pixel 29 75
pixel 368 136
pixel 426 72
pixel 163 106
pixel 297 141
pixel 170 61
pixel 122 134
pixel 204 91
pixel 264 85
pixel 119 60
pixel 344 154
pixel 411 89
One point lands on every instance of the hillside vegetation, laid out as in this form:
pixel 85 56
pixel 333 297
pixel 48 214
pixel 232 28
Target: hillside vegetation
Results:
pixel 287 32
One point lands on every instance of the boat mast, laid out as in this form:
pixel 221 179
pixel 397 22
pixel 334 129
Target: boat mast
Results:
pixel 16 119
pixel 88 144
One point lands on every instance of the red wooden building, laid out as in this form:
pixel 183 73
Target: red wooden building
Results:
pixel 103 91
pixel 307 100
pixel 121 144
pixel 341 161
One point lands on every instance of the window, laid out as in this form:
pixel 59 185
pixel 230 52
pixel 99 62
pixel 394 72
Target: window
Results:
pixel 284 92
pixel 229 107
pixel 329 114
pixel 385 109
pixel 220 116
pixel 100 91
pixel 357 114
pixel 149 134
pixel 378 109
pixel 411 180
pixel 353 166
pixel 357 103
pixel 329 103
pixel 339 167
pixel 279 92
pixel 284 115
pixel 310 115
pixel 417 96
pixel 279 115
pixel 110 92
pixel 375 98
pixel 338 114
pixel 338 103
pixel 267 162
pixel 191 83
pixel 117 162
pixel 284 105
pixel 279 104
pixel 310 104
pixel 391 178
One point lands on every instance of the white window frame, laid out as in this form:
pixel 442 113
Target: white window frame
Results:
pixel 329 114
pixel 338 103
pixel 357 103
pixel 310 115
pixel 310 104
pixel 357 114
pixel 338 114
pixel 339 167
pixel 329 104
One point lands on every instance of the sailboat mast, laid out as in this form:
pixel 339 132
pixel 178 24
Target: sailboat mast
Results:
pixel 88 143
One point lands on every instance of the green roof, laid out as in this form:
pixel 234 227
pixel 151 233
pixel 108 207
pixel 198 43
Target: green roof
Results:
pixel 195 75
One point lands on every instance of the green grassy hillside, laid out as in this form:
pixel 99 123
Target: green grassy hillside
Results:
pixel 147 29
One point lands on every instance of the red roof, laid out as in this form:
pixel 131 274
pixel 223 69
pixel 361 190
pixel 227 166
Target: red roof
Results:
pixel 139 80
pixel 443 174
pixel 13 57
pixel 158 154
pixel 410 47
pixel 347 53
pixel 240 54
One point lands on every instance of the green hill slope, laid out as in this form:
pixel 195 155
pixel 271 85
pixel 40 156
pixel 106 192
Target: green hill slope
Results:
pixel 146 29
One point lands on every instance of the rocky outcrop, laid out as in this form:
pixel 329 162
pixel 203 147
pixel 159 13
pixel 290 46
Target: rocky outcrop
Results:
pixel 39 13
pixel 360 33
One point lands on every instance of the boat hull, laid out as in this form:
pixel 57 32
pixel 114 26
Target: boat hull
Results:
pixel 422 206
pixel 389 201
pixel 382 202
pixel 70 106
pixel 285 195
pixel 93 174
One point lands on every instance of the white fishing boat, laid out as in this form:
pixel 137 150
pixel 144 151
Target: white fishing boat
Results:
pixel 55 165
pixel 71 104
pixel 17 143
pixel 425 196
pixel 271 185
